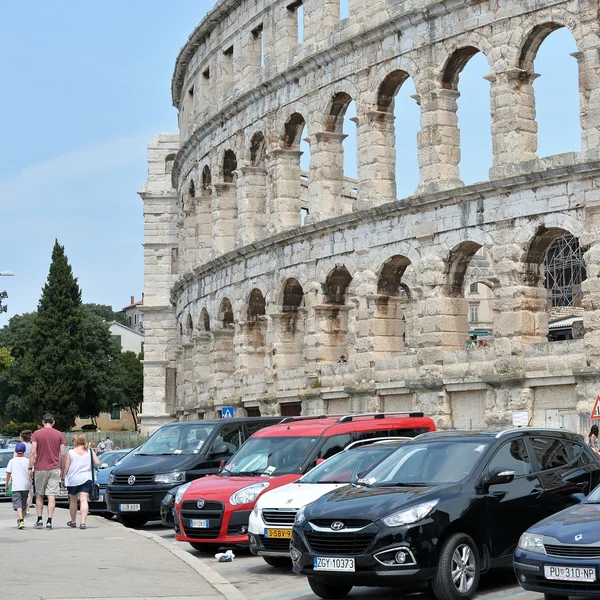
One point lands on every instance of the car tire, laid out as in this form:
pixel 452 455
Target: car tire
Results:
pixel 108 515
pixel 280 562
pixel 203 547
pixel 133 522
pixel 459 554
pixel 328 590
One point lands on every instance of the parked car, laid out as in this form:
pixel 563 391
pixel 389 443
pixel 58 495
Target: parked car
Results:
pixel 216 510
pixel 271 521
pixel 177 453
pixel 110 458
pixel 440 510
pixel 5 456
pixel 167 508
pixel 559 555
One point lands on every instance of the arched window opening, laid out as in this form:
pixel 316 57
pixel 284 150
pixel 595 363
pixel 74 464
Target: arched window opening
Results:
pixel 256 329
pixel 390 280
pixel 293 296
pixel 565 271
pixel 229 166
pixel 192 190
pixel 256 305
pixel 206 181
pixel 397 95
pixel 336 286
pixel 190 324
pixel 458 262
pixel 344 9
pixel 205 319
pixel 290 333
pixel 464 72
pixel 480 303
pixel 169 160
pixel 294 197
pixel 547 52
pixel 226 313
pixel 257 149
pixel 350 149
pixel 293 131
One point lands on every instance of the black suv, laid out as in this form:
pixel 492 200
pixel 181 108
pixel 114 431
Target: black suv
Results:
pixel 440 510
pixel 175 454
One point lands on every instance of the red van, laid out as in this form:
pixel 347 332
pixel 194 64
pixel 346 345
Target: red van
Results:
pixel 214 511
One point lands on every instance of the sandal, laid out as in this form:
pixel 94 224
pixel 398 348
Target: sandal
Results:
pixel 71 524
pixel 83 526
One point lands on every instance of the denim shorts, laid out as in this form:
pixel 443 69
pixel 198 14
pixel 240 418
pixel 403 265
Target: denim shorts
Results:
pixel 86 488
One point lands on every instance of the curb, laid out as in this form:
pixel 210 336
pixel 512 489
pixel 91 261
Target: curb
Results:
pixel 224 587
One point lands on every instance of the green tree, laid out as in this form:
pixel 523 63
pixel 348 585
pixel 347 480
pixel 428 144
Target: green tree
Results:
pixel 6 359
pixel 105 312
pixel 55 367
pixel 132 383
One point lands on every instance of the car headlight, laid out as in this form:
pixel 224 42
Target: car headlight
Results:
pixel 300 518
pixel 175 477
pixel 532 543
pixel 410 515
pixel 111 478
pixel 248 494
pixel 181 491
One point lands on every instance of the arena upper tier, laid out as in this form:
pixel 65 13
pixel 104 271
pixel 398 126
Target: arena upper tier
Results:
pixel 245 306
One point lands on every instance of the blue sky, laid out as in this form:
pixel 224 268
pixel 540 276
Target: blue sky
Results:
pixel 86 85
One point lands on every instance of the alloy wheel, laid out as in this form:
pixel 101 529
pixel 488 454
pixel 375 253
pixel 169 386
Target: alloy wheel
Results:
pixel 463 568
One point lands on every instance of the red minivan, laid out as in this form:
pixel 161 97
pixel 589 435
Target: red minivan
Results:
pixel 214 511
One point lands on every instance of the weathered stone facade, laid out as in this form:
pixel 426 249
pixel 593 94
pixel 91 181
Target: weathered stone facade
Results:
pixel 245 306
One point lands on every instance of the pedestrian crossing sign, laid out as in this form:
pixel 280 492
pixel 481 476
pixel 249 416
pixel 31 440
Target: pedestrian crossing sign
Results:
pixel 596 409
pixel 227 412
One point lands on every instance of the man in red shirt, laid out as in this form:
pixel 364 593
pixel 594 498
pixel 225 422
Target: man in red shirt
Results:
pixel 47 455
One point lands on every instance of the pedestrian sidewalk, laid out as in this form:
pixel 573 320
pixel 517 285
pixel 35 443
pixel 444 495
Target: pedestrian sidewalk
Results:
pixel 104 561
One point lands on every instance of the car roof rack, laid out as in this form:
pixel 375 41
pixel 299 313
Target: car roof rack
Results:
pixel 348 418
pixel 302 418
pixel 535 429
pixel 379 440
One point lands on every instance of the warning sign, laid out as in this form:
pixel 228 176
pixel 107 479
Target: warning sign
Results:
pixel 596 409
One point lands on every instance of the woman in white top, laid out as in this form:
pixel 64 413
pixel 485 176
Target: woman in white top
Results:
pixel 78 479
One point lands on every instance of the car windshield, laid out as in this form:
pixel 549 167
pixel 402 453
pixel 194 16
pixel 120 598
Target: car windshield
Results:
pixel 108 459
pixel 270 456
pixel 427 463
pixel 183 438
pixel 594 496
pixel 4 458
pixel 347 467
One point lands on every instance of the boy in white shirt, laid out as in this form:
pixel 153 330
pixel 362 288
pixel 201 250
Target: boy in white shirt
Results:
pixel 17 471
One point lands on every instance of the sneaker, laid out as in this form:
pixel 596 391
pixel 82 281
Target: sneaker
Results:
pixel 20 524
pixel 48 525
pixel 38 524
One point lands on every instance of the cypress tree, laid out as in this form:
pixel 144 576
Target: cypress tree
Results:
pixel 55 363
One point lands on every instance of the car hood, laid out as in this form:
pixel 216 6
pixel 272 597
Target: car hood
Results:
pixel 580 520
pixel 361 502
pixel 148 464
pixel 216 487
pixel 296 495
pixel 102 475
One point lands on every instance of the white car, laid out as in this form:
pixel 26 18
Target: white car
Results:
pixel 271 521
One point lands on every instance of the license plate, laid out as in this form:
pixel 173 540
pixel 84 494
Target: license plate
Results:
pixel 586 574
pixel 278 533
pixel 326 563
pixel 100 498
pixel 173 511
pixel 129 507
pixel 62 493
pixel 199 523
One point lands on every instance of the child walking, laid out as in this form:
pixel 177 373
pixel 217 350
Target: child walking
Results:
pixel 17 472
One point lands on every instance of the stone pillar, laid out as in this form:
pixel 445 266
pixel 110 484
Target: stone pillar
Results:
pixel 439 141
pixel 204 238
pixel 321 16
pixel 376 159
pixel 251 352
pixel 283 210
pixel 224 217
pixel 326 177
pixel 281 33
pixel 514 128
pixel 223 356
pixel 589 87
pixel 189 231
pixel 252 204
pixel 591 302
pixel 204 382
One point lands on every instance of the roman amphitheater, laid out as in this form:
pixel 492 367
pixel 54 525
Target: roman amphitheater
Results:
pixel 283 290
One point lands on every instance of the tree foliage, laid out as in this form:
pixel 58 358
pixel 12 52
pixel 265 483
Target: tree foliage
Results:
pixel 6 359
pixel 105 312
pixel 133 383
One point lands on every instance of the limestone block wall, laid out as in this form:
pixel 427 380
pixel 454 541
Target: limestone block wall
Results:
pixel 363 305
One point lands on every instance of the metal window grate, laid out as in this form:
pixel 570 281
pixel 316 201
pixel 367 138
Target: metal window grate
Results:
pixel 565 270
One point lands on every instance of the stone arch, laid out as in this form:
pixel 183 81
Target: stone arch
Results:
pixel 225 316
pixel 229 166
pixel 256 329
pixel 169 160
pixel 293 129
pixel 455 63
pixel 336 109
pixel 257 306
pixel 457 264
pixel 532 43
pixel 206 181
pixel 388 89
pixel 390 276
pixel 336 285
pixel 257 149
pixel 205 317
pixel 290 326
pixel 292 297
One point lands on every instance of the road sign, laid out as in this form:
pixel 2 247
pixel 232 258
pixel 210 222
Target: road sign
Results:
pixel 596 409
pixel 228 413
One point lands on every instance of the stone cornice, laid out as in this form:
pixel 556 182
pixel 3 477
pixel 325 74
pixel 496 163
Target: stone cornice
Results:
pixel 552 175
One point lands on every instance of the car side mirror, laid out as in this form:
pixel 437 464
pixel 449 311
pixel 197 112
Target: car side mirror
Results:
pixel 220 450
pixel 499 476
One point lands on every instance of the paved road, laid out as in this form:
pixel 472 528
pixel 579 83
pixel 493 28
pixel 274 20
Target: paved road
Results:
pixel 259 581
